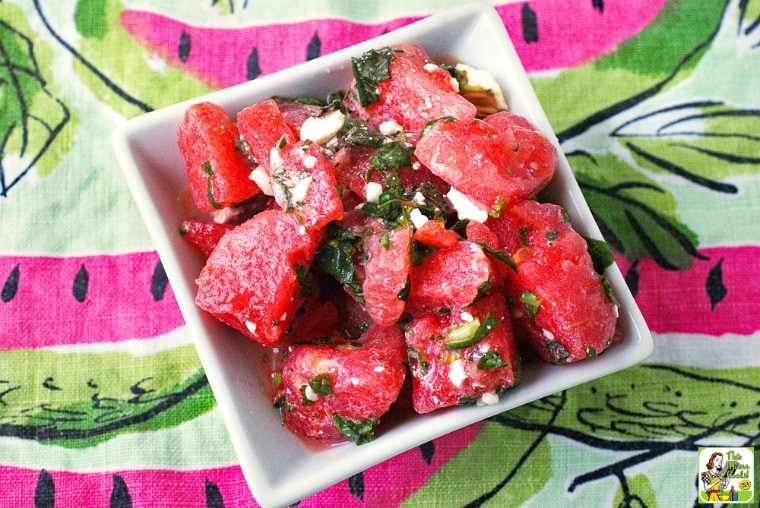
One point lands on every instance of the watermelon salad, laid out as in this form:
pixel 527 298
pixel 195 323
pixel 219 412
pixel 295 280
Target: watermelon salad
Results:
pixel 386 243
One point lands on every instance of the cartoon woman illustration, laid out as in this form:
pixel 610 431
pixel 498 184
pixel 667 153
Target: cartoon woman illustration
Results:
pixel 713 479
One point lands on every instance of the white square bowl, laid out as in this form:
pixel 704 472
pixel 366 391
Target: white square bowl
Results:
pixel 279 467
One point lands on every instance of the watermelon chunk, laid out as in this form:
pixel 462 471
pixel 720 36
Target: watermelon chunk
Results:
pixel 386 271
pixel 263 127
pixel 253 280
pixel 462 358
pixel 217 171
pixel 304 183
pixel 411 89
pixel 450 278
pixel 493 161
pixel 338 391
pixel 560 304
pixel 204 234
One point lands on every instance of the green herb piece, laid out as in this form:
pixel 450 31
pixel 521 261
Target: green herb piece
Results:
pixel 241 145
pixel 356 132
pixel 321 384
pixel 608 291
pixel 361 431
pixel 279 402
pixel 500 255
pixel 385 240
pixel 491 360
pixel 467 400
pixel 335 257
pixel 469 333
pixel 590 352
pixel 392 205
pixel 206 166
pixel 600 253
pixel 524 235
pixel 415 356
pixel 531 302
pixel 370 69
pixel 277 378
pixel 551 235
pixel 302 276
pixel 426 128
pixel 310 101
pixel 390 156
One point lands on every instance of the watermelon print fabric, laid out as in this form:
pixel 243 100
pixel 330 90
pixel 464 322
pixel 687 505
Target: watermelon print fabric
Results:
pixel 103 401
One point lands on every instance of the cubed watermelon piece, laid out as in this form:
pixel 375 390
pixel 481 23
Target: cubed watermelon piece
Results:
pixel 411 89
pixel 449 279
pixel 263 127
pixel 489 163
pixel 560 304
pixel 434 234
pixel 339 390
pixel 218 173
pixel 204 234
pixel 386 271
pixel 254 278
pixel 303 181
pixel 462 358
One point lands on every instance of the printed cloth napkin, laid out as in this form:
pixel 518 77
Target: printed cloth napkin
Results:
pixel 103 400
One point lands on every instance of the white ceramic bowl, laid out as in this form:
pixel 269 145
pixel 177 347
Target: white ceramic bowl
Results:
pixel 280 468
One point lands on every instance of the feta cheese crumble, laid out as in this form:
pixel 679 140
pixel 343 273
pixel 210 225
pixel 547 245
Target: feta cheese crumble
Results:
pixel 320 129
pixel 465 208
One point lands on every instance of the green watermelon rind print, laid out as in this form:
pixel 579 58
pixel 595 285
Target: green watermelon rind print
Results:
pixel 149 80
pixel 108 394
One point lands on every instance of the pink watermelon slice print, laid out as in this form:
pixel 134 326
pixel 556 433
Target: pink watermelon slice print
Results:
pixel 539 29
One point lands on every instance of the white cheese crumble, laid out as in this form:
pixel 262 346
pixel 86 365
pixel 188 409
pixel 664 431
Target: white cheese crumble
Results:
pixel 379 368
pixel 250 326
pixel 488 399
pixel 465 208
pixel 261 178
pixel 390 128
pixel 417 218
pixel 354 381
pixel 309 161
pixel 321 129
pixel 419 199
pixel 299 190
pixel 275 159
pixel 456 372
pixel 310 394
pixel 546 333
pixel 431 67
pixel 373 191
pixel 478 78
pixel 466 316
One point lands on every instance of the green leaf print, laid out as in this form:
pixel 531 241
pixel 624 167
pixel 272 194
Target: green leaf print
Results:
pixel 36 125
pixel 665 131
pixel 636 215
pixel 107 395
pixel 639 493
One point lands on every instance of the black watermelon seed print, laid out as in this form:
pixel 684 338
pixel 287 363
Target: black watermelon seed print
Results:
pixel 356 485
pixel 632 278
pixel 598 5
pixel 716 291
pixel 428 451
pixel 252 69
pixel 50 385
pixel 158 282
pixel 10 288
pixel 529 24
pixel 120 496
pixel 213 496
pixel 81 284
pixel 44 492
pixel 183 47
pixel 314 48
